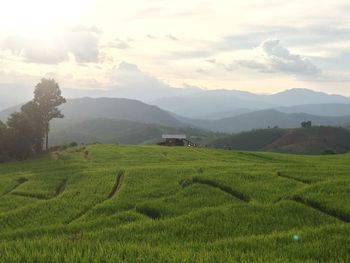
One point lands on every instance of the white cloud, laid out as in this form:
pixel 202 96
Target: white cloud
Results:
pixel 171 37
pixel 119 44
pixel 151 36
pixel 271 56
pixel 80 41
pixel 127 74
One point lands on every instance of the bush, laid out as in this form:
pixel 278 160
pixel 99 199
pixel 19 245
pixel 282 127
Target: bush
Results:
pixel 64 147
pixel 73 144
pixel 329 152
pixel 4 158
pixel 55 148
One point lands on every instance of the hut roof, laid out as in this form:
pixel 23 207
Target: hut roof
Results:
pixel 174 136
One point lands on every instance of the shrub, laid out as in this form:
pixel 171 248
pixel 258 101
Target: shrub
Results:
pixel 329 151
pixel 73 144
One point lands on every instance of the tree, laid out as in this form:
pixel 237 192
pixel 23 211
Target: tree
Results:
pixel 31 112
pixel 2 139
pixel 306 124
pixel 2 131
pixel 47 96
pixel 18 142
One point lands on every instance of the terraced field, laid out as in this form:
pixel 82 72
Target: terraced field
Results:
pixel 107 203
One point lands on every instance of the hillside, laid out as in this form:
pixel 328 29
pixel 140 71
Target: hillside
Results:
pixel 266 118
pixel 248 141
pixel 313 140
pixel 110 108
pixel 327 109
pixel 133 122
pixel 162 204
pixel 120 131
pixel 109 120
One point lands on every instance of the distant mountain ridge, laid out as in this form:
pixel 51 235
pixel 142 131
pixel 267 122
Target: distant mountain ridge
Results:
pixel 78 110
pixel 215 102
pixel 118 109
pixel 264 119
pixel 109 108
pixel 326 109
pixel 112 120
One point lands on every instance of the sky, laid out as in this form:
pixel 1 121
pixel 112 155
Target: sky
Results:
pixel 259 46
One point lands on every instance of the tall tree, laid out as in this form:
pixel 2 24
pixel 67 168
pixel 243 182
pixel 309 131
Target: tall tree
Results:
pixel 32 113
pixel 2 139
pixel 18 136
pixel 47 96
pixel 2 129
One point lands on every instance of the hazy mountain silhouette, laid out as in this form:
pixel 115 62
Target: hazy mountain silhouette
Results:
pixel 264 119
pixel 327 109
pixel 12 94
pixel 111 120
pixel 133 115
pixel 111 108
pixel 205 104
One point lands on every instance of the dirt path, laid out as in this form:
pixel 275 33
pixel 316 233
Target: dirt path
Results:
pixel 293 178
pixel 20 181
pixel 114 191
pixel 342 217
pixel 59 189
pixel 241 196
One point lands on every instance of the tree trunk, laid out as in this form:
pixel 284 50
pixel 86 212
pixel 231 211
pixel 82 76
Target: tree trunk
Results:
pixel 47 140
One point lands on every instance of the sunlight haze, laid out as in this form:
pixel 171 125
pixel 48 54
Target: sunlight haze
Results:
pixel 258 46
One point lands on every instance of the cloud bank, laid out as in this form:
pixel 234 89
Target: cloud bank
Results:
pixel 271 57
pixel 82 42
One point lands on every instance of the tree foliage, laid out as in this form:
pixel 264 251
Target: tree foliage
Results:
pixel 2 140
pixel 31 112
pixel 24 132
pixel 47 96
pixel 306 124
pixel 18 136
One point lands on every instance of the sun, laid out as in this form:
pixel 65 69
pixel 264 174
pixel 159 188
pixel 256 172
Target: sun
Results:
pixel 23 13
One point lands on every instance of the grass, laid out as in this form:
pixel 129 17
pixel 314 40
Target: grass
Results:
pixel 108 203
pixel 311 140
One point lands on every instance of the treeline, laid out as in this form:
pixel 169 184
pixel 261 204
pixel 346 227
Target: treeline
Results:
pixel 26 133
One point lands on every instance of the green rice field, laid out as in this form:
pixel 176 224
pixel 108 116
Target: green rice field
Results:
pixel 115 203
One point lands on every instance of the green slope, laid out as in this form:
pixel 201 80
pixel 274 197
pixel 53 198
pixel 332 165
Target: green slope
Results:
pixel 313 140
pixel 249 141
pixel 121 131
pixel 107 203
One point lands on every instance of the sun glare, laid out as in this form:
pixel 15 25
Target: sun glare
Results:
pixel 19 13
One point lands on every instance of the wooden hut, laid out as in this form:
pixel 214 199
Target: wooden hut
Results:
pixel 176 140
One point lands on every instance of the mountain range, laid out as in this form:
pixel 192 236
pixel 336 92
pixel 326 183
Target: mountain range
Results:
pixel 112 120
pixel 115 120
pixel 219 103
pixel 77 110
pixel 264 119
